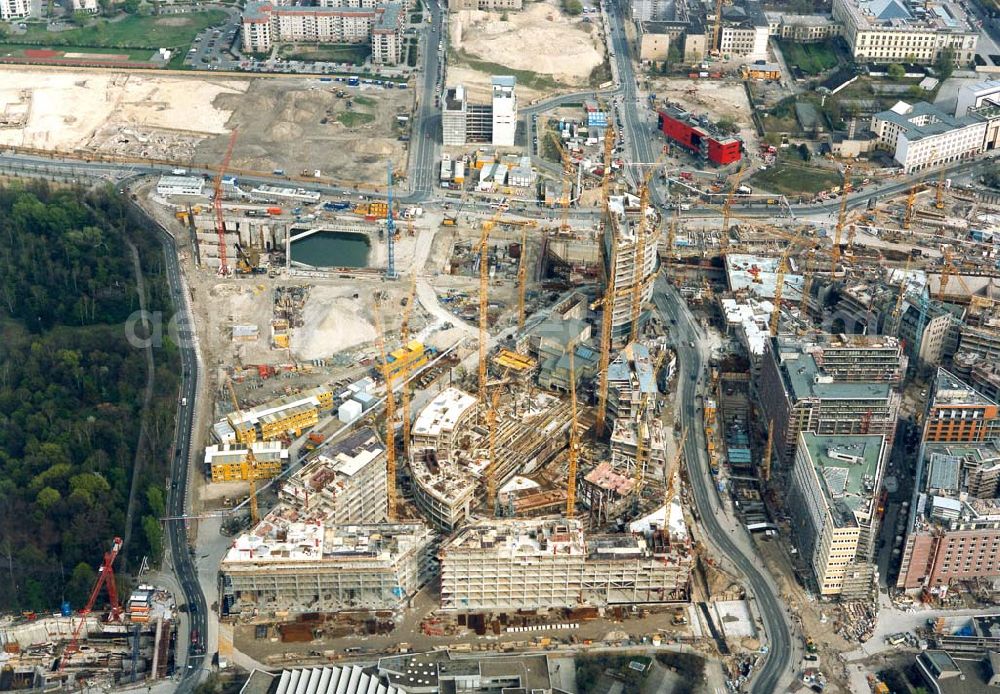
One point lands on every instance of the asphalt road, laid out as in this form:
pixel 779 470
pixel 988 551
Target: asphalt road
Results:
pixel 768 678
pixel 177 537
pixel 427 117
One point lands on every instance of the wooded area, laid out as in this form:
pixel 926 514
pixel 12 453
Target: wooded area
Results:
pixel 71 391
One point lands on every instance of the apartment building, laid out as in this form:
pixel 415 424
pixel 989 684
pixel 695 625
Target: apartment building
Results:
pixel 930 330
pixel 744 32
pixel 809 385
pixel 486 5
pixel 954 532
pixel 267 23
pixel 983 339
pixel 543 564
pixel 294 567
pixel 836 481
pixel 630 256
pixel 921 136
pixel 958 413
pixel 229 463
pixel 14 9
pixel 802 28
pixel 283 417
pixel 346 483
pixel 893 31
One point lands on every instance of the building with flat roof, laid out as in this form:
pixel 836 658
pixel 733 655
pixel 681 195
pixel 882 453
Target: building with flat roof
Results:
pixel 328 679
pixel 544 564
pixel 953 533
pixel 921 136
pixel 334 21
pixel 697 135
pixel 345 483
pixel 630 255
pixel 228 462
pixel 631 380
pixel 802 28
pixel 293 567
pixel 454 114
pixel 276 419
pixel 504 110
pixel 438 422
pixel 495 123
pixel 440 671
pixel 961 673
pixel 930 331
pixel 758 275
pixel 894 31
pixel 830 385
pixel 958 413
pixel 180 185
pixel 836 482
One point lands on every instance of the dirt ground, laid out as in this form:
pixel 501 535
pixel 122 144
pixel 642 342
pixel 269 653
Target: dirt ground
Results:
pixel 334 321
pixel 540 38
pixel 188 120
pixel 281 126
pixel 717 98
pixel 71 110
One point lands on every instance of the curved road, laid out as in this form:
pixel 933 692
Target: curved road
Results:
pixel 778 660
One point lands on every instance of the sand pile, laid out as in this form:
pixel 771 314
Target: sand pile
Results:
pixel 333 322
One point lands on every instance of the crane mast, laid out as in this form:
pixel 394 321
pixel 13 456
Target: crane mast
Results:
pixel 247 441
pixel 390 418
pixel 404 394
pixel 105 579
pixel 573 442
pixel 841 217
pixel 220 224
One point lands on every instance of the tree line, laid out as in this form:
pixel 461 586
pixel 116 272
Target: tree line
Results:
pixel 71 391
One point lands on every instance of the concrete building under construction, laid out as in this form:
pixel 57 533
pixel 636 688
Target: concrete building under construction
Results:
pixel 630 256
pixel 296 567
pixel 538 564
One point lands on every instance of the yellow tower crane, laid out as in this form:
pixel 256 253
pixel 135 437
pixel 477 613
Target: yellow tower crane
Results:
pixel 673 473
pixel 251 460
pixel 522 277
pixel 390 417
pixel 609 291
pixel 573 452
pixel 717 29
pixel 484 289
pixel 939 195
pixel 404 394
pixel 779 284
pixel 766 471
pixel 911 200
pixel 727 211
pixel 841 217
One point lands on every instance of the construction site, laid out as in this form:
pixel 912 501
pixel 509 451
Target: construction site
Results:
pixel 131 642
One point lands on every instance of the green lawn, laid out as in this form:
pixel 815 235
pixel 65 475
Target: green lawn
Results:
pixel 354 53
pixel 812 58
pixel 134 54
pixel 792 178
pixel 364 101
pixel 173 31
pixel 353 119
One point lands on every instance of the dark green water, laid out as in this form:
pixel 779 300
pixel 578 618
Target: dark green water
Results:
pixel 332 249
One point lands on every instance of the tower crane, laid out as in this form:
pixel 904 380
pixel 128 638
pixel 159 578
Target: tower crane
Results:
pixel 841 216
pixel 491 420
pixel 939 195
pixel 244 438
pixel 573 452
pixel 390 417
pixel 640 254
pixel 220 224
pixel 640 449
pixel 673 473
pixel 779 283
pixel 727 209
pixel 766 472
pixel 522 277
pixel 404 394
pixel 567 182
pixel 609 290
pixel 717 29
pixel 484 289
pixel 911 200
pixel 105 578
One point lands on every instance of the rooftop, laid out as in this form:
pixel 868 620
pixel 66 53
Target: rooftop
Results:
pixel 805 380
pixel 936 16
pixel 759 276
pixel 605 477
pixel 277 541
pixel 950 391
pixel 922 120
pixel 633 365
pixel 519 539
pixel 443 412
pixel 263 451
pixel 848 469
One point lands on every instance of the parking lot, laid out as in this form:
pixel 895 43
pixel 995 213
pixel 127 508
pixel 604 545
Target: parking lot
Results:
pixel 217 48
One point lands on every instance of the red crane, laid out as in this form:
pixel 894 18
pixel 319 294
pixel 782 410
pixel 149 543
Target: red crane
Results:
pixel 220 225
pixel 105 577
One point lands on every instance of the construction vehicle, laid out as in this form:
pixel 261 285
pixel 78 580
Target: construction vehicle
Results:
pixel 105 579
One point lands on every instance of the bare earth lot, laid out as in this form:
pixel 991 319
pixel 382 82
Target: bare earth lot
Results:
pixel 188 120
